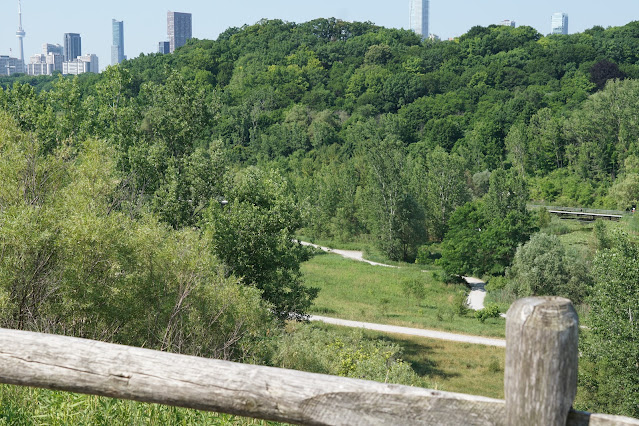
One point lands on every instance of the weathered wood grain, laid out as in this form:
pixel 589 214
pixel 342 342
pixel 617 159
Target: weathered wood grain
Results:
pixel 78 365
pixel 540 378
pixel 86 366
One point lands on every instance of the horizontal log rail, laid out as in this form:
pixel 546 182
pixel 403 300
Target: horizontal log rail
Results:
pixel 534 395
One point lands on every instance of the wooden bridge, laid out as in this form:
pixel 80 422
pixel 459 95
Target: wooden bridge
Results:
pixel 581 215
pixel 540 380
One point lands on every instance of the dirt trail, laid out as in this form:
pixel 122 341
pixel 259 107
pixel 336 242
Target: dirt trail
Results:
pixel 430 334
pixel 477 293
pixel 349 254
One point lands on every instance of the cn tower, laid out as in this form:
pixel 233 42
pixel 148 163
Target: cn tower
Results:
pixel 20 34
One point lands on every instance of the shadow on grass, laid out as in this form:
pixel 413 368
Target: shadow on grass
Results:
pixel 419 357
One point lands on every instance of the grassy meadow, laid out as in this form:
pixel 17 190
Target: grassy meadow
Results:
pixel 358 291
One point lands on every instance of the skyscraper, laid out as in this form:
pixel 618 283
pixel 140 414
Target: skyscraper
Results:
pixel 559 23
pixel 178 28
pixel 419 17
pixel 20 34
pixel 164 47
pixel 72 46
pixel 52 48
pixel 117 48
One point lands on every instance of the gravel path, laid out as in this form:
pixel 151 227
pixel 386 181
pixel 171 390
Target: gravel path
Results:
pixel 431 334
pixel 475 301
pixel 349 254
pixel 477 293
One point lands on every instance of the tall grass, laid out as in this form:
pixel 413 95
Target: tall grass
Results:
pixel 28 406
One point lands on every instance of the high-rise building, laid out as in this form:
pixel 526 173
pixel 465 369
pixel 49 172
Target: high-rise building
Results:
pixel 20 34
pixel 419 17
pixel 81 64
pixel 508 23
pixel 45 64
pixel 178 28
pixel 164 47
pixel 10 66
pixel 117 48
pixel 559 23
pixel 72 46
pixel 52 48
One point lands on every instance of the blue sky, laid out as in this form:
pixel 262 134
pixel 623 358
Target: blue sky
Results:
pixel 145 21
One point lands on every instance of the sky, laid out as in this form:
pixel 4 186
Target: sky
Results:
pixel 45 21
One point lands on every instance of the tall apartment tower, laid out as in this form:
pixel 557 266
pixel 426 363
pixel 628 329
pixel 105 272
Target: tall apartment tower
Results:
pixel 559 23
pixel 72 46
pixel 419 17
pixel 178 28
pixel 117 48
pixel 164 47
pixel 20 34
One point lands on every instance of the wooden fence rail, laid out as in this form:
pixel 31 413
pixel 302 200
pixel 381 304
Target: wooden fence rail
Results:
pixel 540 380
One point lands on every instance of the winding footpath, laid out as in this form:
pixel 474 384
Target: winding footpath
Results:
pixel 477 293
pixel 420 332
pixel 475 302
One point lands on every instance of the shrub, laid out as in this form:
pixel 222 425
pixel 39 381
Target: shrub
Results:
pixel 414 289
pixel 496 283
pixel 543 267
pixel 460 304
pixel 490 311
pixel 309 347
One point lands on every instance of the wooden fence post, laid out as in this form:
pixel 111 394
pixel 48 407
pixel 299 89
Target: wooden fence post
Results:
pixel 540 380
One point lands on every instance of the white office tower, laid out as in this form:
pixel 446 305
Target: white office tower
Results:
pixel 82 64
pixel 559 23
pixel 20 34
pixel 45 64
pixel 419 17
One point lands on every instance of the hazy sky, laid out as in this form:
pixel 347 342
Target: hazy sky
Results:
pixel 45 21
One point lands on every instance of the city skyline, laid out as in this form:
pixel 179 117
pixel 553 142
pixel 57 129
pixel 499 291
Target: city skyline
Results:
pixel 46 22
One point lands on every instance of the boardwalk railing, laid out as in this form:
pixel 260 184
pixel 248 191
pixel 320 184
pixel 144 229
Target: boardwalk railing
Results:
pixel 540 380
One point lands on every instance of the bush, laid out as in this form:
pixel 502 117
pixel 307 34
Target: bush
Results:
pixel 414 289
pixel 425 256
pixel 460 304
pixel 490 311
pixel 309 347
pixel 496 283
pixel 543 267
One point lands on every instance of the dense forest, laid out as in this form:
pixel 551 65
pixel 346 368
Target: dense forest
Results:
pixel 174 184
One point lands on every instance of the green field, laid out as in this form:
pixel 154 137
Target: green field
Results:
pixel 357 291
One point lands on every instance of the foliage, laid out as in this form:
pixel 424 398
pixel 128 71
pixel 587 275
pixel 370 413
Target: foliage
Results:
pixel 30 406
pixel 311 348
pixel 414 289
pixel 490 311
pixel 610 347
pixel 253 236
pixel 542 266
pixel 75 264
pixel 484 234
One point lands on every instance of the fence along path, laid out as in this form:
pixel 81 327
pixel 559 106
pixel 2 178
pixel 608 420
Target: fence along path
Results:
pixel 540 380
